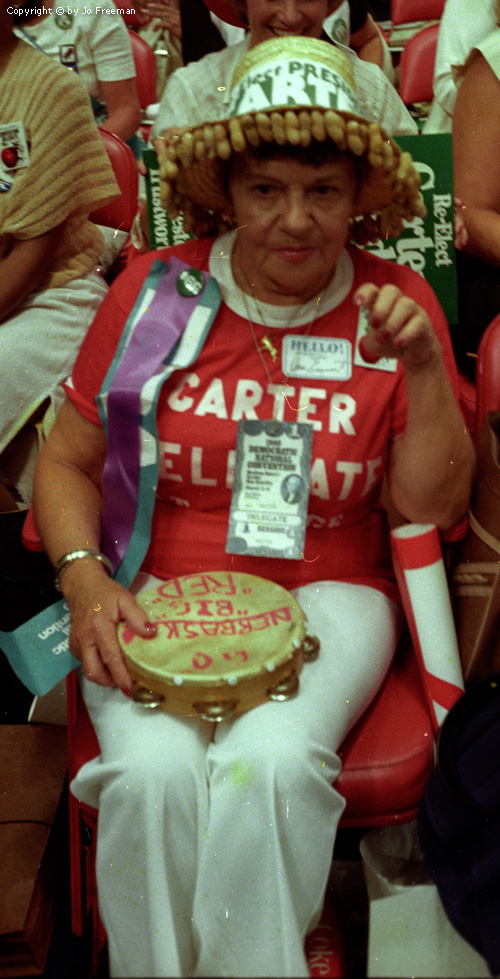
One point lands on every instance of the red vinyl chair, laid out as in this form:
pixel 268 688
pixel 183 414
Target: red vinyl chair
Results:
pixel 409 11
pixel 416 66
pixel 488 373
pixel 121 212
pixel 145 70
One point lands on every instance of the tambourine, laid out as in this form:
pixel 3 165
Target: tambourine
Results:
pixel 226 642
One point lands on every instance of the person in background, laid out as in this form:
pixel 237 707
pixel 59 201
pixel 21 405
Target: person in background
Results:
pixel 163 32
pixel 352 23
pixel 97 47
pixel 476 156
pixel 52 176
pixel 203 28
pixel 462 25
pixel 200 90
pixel 215 842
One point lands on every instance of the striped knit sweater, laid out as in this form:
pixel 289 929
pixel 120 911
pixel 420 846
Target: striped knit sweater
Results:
pixel 69 174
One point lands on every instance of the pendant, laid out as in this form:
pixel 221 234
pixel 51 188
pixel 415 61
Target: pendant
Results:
pixel 267 344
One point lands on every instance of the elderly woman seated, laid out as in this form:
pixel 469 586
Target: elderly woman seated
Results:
pixel 215 840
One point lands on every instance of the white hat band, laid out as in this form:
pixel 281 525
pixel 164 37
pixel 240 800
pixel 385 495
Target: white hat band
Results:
pixel 292 83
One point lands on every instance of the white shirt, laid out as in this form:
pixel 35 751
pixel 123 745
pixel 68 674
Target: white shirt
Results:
pixel 463 24
pixel 103 49
pixel 200 91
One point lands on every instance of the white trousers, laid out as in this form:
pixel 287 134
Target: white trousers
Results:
pixel 215 841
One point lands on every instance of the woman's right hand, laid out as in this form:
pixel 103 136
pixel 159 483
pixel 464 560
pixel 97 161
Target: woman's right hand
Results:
pixel 97 604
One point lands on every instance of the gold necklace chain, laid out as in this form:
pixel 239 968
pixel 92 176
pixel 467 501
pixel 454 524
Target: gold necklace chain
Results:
pixel 266 345
pixel 269 346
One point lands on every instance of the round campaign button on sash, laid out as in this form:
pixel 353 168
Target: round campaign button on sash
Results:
pixel 190 282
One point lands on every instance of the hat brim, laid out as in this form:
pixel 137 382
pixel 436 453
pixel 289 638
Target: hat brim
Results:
pixel 202 181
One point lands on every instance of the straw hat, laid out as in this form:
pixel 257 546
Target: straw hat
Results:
pixel 294 91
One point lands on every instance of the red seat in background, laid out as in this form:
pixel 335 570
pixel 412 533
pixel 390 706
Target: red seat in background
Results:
pixel 416 66
pixel 145 70
pixel 121 212
pixel 409 11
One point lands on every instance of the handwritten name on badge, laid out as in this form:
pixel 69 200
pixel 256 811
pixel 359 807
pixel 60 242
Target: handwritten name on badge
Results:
pixel 325 358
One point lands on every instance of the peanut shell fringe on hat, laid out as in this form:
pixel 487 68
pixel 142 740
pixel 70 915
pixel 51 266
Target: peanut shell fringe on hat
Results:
pixel 192 169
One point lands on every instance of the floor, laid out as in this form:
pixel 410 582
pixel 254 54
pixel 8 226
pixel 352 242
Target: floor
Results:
pixel 70 956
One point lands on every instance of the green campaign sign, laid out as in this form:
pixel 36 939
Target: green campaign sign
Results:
pixel 163 231
pixel 427 244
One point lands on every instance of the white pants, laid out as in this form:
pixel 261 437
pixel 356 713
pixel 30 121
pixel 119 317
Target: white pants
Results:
pixel 215 841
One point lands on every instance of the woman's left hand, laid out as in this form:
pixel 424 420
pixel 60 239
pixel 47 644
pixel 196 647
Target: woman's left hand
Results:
pixel 399 327
pixel 169 17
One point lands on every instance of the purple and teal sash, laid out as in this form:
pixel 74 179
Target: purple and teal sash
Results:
pixel 149 351
pixel 164 332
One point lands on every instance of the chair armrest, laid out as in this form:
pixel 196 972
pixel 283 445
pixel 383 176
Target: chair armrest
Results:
pixel 30 535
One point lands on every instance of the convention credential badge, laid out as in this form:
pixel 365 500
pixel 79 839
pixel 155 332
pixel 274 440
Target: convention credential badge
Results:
pixel 271 489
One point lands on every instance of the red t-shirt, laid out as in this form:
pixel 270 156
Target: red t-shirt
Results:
pixel 354 422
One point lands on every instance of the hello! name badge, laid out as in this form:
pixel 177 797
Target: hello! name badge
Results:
pixel 322 358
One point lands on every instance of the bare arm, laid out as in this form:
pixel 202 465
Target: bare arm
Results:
pixel 367 43
pixel 476 151
pixel 24 268
pixel 68 515
pixel 122 104
pixel 432 465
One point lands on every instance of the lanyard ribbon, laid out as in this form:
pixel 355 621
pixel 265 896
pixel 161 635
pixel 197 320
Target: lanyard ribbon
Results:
pixel 150 349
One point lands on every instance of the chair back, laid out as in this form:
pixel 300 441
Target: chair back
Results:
pixel 408 11
pixel 488 373
pixel 145 70
pixel 121 212
pixel 416 66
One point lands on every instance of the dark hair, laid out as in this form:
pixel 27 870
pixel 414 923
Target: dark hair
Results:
pixel 315 155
